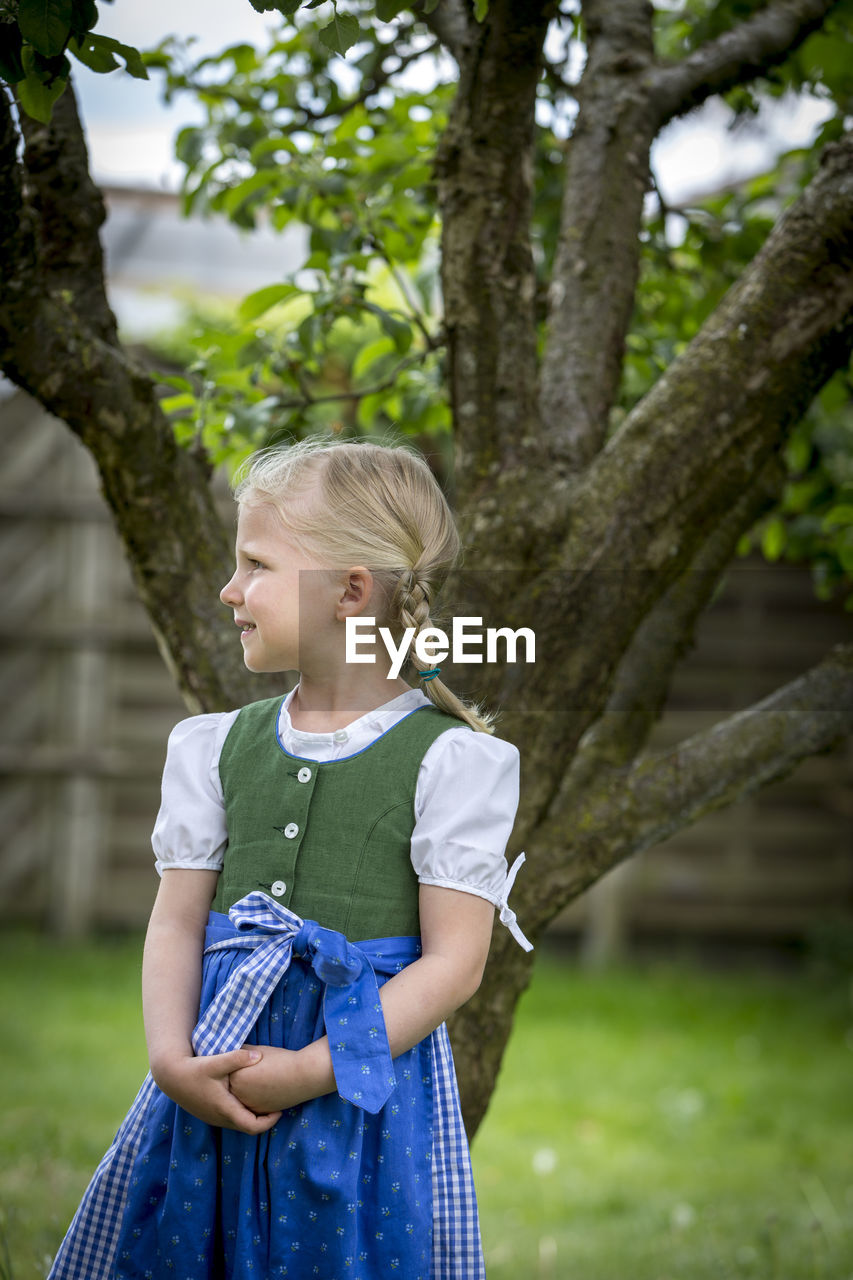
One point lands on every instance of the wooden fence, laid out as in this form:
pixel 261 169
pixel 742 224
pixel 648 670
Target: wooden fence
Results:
pixel 89 705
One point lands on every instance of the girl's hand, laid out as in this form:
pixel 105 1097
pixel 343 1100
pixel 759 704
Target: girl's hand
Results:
pixel 273 1084
pixel 201 1086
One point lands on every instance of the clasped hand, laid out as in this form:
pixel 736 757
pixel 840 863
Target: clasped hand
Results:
pixel 270 1085
pixel 246 1089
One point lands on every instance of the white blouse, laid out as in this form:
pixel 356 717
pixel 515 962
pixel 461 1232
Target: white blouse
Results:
pixel 465 799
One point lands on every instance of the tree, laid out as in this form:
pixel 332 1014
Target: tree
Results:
pixel 600 503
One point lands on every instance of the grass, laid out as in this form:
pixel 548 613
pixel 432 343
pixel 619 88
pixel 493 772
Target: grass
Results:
pixel 670 1124
pixel 660 1124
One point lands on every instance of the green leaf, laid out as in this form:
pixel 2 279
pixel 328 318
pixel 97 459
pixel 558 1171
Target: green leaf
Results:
pixel 234 198
pixel 189 146
pixel 173 404
pixel 341 33
pixel 372 353
pixel 84 16
pixel 131 57
pixel 175 380
pixel 387 10
pixel 840 515
pixel 845 555
pixel 269 146
pixel 773 538
pixel 318 261
pixel 91 55
pixel 481 8
pixel 255 304
pixel 399 331
pixel 36 97
pixel 369 409
pixel 46 25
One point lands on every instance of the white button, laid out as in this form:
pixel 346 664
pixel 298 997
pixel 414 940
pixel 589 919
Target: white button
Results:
pixel 279 888
pixel 304 775
pixel 340 735
pixel 291 830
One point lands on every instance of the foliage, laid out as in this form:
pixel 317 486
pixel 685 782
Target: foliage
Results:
pixel 303 370
pixel 823 64
pixel 352 340
pixel 690 259
pixel 36 37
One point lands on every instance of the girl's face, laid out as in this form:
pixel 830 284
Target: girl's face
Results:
pixel 278 594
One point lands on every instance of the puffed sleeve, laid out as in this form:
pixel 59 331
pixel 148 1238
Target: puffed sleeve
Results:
pixel 190 830
pixel 465 805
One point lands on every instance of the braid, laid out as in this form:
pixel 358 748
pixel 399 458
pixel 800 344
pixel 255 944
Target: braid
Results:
pixel 414 606
pixel 410 607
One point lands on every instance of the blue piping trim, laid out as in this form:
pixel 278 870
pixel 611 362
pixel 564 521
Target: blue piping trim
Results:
pixel 341 759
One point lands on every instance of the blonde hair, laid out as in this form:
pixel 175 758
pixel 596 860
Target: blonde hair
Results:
pixel 379 505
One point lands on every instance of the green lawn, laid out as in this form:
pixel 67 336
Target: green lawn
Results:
pixel 662 1124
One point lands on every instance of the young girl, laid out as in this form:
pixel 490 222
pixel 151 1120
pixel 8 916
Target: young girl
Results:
pixel 330 863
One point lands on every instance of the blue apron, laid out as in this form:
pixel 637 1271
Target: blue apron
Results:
pixel 342 1186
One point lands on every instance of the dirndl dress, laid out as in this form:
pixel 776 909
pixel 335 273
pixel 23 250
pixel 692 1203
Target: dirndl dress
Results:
pixel 371 1181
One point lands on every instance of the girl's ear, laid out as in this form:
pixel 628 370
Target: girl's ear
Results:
pixel 356 592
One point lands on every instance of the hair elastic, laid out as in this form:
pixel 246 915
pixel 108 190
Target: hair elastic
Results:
pixel 429 675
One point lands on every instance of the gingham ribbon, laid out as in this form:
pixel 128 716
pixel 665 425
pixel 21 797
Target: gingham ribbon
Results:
pixel 352 1009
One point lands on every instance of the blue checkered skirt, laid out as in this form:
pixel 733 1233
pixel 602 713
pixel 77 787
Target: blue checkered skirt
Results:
pixel 334 1190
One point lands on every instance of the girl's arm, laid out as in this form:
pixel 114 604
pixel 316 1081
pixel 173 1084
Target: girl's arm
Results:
pixel 456 929
pixel 171 986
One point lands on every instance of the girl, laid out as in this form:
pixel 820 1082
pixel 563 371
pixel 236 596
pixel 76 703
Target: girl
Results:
pixel 330 863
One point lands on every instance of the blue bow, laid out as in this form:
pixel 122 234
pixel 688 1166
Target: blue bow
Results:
pixel 352 1009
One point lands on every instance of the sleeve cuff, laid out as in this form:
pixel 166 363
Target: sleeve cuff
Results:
pixel 507 916
pixel 209 865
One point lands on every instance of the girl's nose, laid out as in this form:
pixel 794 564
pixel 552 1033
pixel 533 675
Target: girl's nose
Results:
pixel 229 594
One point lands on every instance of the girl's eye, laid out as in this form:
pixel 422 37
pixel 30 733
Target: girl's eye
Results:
pixel 256 564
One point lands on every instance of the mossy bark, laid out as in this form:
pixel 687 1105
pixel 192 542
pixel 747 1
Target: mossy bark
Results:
pixel 58 341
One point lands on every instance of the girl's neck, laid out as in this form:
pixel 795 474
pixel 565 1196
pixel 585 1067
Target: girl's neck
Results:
pixel 324 705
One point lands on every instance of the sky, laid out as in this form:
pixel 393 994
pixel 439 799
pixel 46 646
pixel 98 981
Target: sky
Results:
pixel 131 132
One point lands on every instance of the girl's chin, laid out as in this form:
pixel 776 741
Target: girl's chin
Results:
pixel 260 667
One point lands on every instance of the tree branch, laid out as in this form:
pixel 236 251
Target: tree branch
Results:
pixel 451 22
pixel 333 397
pixel 684 455
pixel 665 635
pixel 58 342
pixel 248 100
pixel 17 240
pixel 747 51
pixel 626 811
pixel 594 280
pixel 68 211
pixel 485 172
pixel 159 493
